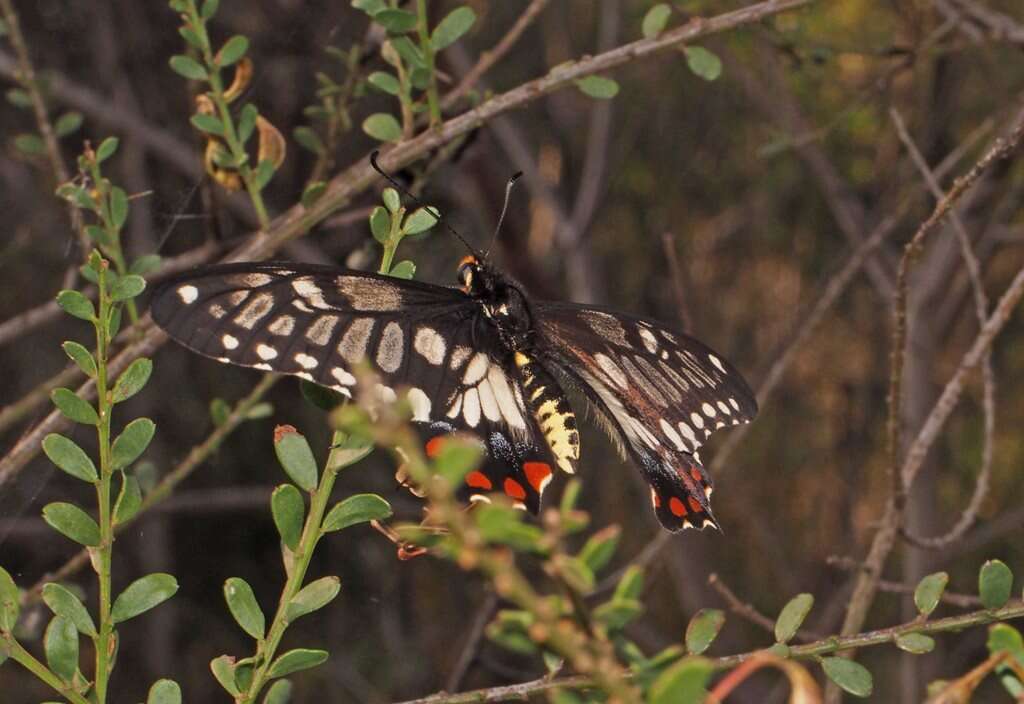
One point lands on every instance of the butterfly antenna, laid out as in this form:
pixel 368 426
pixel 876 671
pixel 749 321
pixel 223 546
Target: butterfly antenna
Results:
pixel 504 209
pixel 430 210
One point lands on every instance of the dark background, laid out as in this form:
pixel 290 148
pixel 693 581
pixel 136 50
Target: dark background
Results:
pixel 758 182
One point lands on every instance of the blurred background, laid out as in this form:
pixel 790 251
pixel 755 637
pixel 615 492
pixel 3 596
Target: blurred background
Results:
pixel 723 207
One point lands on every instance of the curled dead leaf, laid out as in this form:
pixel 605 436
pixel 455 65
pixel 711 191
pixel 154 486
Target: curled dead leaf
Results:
pixel 241 80
pixel 272 145
pixel 228 179
pixel 802 687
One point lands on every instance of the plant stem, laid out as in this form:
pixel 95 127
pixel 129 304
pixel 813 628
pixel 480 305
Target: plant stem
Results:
pixel 238 152
pixel 30 663
pixel 103 553
pixel 311 533
pixel 394 239
pixel 433 104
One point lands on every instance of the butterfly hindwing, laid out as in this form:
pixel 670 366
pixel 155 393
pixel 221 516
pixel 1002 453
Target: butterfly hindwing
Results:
pixel 663 392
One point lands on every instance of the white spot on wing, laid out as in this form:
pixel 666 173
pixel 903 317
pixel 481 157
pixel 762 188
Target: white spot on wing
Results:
pixel 265 352
pixel 420 403
pixel 687 432
pixel 488 403
pixel 230 342
pixel 716 361
pixel 471 408
pixel 671 434
pixel 389 349
pixel 188 293
pixel 732 402
pixel 254 311
pixel 306 361
pixel 364 293
pixel 723 408
pixel 429 343
pixel 282 325
pixel 319 333
pixel 343 377
pixel 476 370
pixel 352 347
pixel 697 419
pixel 385 393
pixel 650 342
pixel 613 370
pixel 709 410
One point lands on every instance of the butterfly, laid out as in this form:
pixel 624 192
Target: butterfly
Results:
pixel 482 358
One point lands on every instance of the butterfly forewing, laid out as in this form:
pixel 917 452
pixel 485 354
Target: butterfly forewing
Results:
pixel 428 341
pixel 663 392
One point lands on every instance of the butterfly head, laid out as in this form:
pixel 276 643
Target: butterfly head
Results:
pixel 470 274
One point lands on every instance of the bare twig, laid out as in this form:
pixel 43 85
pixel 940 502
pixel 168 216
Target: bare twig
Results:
pixel 966 601
pixel 970 513
pixel 747 610
pixel 298 220
pixel 675 269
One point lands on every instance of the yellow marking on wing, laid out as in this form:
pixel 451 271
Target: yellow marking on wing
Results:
pixel 563 440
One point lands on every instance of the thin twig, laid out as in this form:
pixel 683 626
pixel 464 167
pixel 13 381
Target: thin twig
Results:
pixel 747 610
pixel 966 601
pixel 826 646
pixel 298 219
pixel 472 645
pixel 675 270
pixel 970 513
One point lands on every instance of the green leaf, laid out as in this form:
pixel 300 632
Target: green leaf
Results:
pixel 68 123
pixel 917 643
pixel 384 82
pixel 929 591
pixel 192 37
pixel 452 27
pixel 703 63
pixel 60 643
pixel 409 52
pixel 419 220
pixel 420 79
pixel 356 509
pixel 370 7
pixel 74 407
pixel 219 411
pixel 383 127
pixel 244 607
pixel 617 613
pixel 295 456
pixel 142 595
pixel 209 9
pixel 233 50
pixel 1002 637
pixel 682 683
pixel 31 144
pixel 207 123
pixel 164 692
pixel 74 303
pixel 10 601
pixel 792 617
pixel 396 21
pixel 261 410
pixel 132 442
pixel 655 20
pixel 313 597
pixel 995 581
pixel 114 321
pixel 600 548
pixel 129 500
pixel 128 286
pixel 146 264
pixel 392 201
pixel 65 603
pixel 71 521
pixel 598 87
pixel 311 194
pixel 106 149
pixel 80 356
pixel 247 122
pixel 380 224
pixel 456 457
pixel 19 98
pixel 264 172
pixel 279 693
pixel 703 629
pixel 188 67
pixel 310 140
pixel 631 584
pixel 132 380
pixel 119 208
pixel 849 675
pixel 223 669
pixel 320 396
pixel 404 269
pixel 295 660
pixel 64 453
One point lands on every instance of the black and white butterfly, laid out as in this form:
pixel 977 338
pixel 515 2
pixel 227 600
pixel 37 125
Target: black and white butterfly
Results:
pixel 483 359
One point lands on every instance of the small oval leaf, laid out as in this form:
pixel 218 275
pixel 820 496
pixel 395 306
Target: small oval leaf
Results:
pixel 164 692
pixel 792 617
pixel 142 595
pixel 703 629
pixel 313 596
pixel 74 303
pixel 655 20
pixel 295 660
pixel 420 220
pixel 74 407
pixel 244 607
pixel 598 87
pixel 132 380
pixel 65 603
pixel 279 693
pixel 703 63
pixel 233 50
pixel 849 675
pixel 383 127
pixel 80 356
pixel 72 459
pixel 72 522
pixel 929 591
pixel 128 286
pixel 295 456
pixel 188 67
pixel 449 30
pixel 132 442
pixel 995 582
pixel 60 643
pixel 223 669
pixel 288 509
pixel 10 601
pixel 354 510
pixel 917 643
pixel 129 499
pixel 684 681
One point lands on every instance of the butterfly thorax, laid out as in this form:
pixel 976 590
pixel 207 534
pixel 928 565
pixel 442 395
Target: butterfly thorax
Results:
pixel 502 302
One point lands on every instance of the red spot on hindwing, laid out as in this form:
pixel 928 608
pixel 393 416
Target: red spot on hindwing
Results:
pixel 695 473
pixel 478 480
pixel 536 473
pixel 514 489
pixel 434 446
pixel 694 504
pixel 676 507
